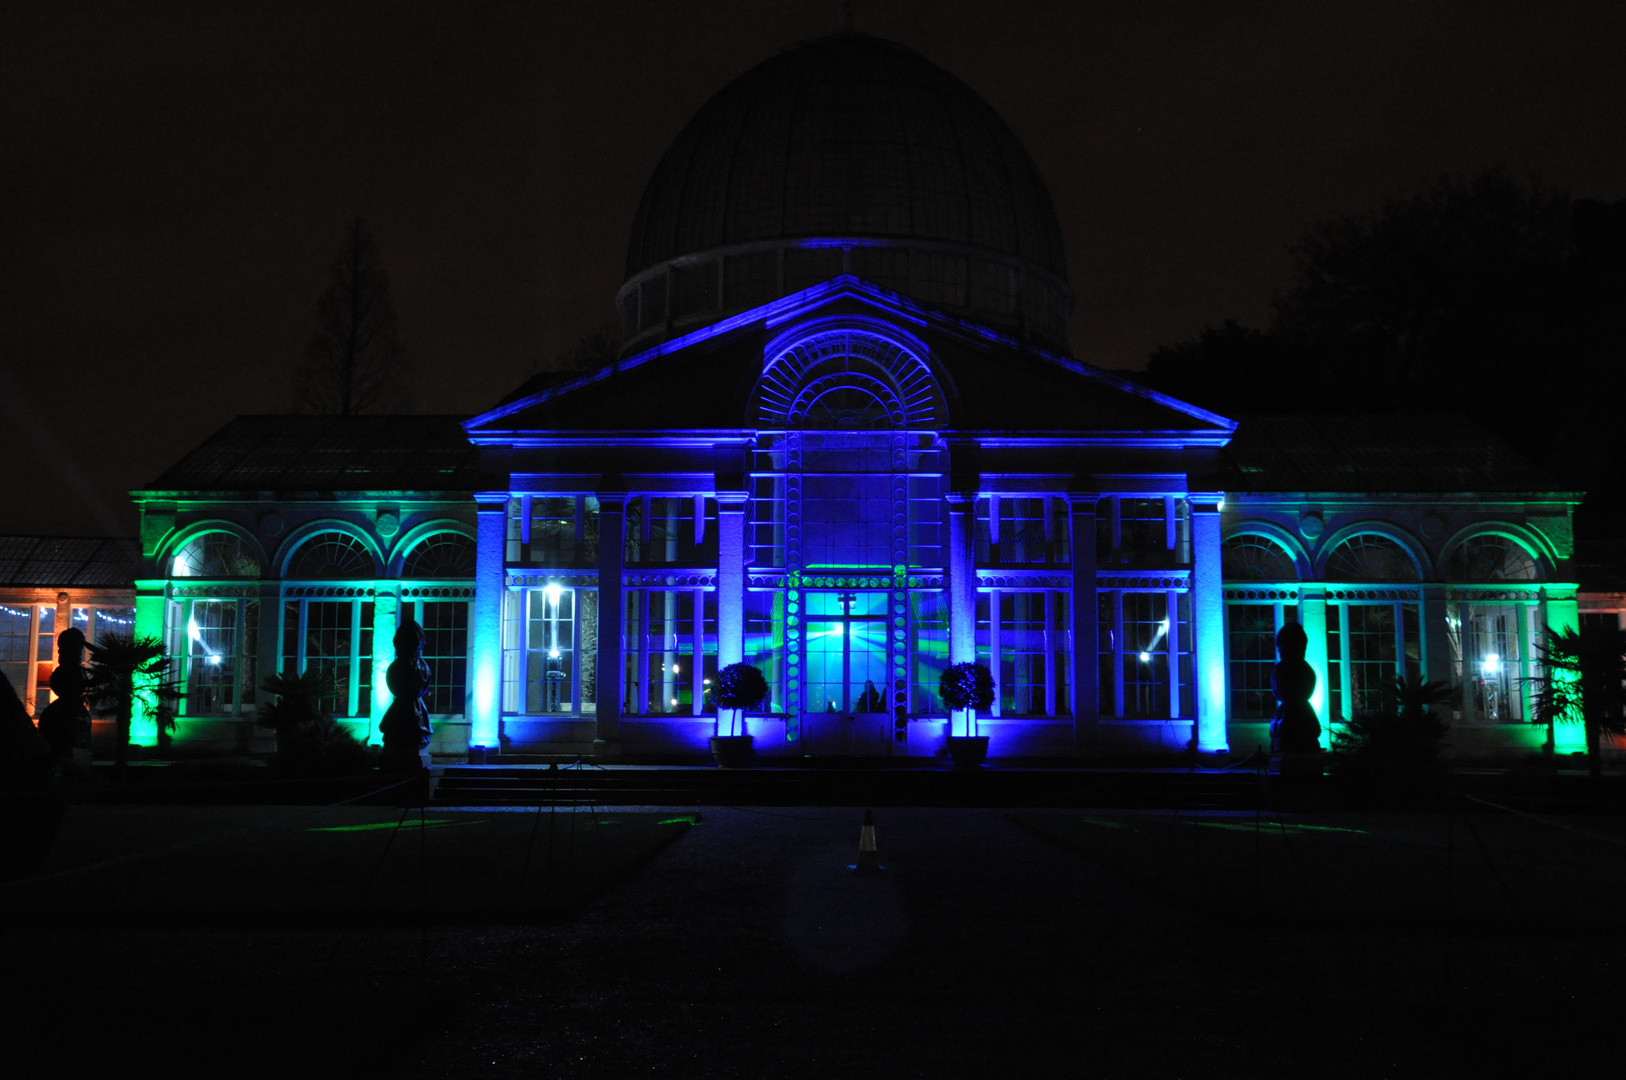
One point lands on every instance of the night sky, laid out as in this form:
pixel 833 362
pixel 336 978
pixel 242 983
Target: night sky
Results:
pixel 174 179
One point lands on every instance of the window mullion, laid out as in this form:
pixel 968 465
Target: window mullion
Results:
pixel 1117 653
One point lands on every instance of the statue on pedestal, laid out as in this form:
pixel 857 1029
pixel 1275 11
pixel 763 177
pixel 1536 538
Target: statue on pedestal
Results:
pixel 1296 729
pixel 65 722
pixel 405 726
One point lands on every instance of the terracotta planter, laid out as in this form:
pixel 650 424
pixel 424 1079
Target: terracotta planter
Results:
pixel 733 751
pixel 968 751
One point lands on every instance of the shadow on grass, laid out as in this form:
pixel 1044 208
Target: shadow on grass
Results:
pixel 1404 873
pixel 344 867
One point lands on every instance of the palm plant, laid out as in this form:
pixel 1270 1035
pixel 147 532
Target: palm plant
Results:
pixel 126 675
pixel 1582 679
pixel 1406 731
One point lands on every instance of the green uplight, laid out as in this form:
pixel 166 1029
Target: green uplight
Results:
pixel 437 822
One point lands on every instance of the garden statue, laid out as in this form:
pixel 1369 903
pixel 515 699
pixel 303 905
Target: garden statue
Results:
pixel 405 726
pixel 1296 728
pixel 65 722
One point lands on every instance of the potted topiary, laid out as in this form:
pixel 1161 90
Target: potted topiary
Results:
pixel 739 687
pixel 965 688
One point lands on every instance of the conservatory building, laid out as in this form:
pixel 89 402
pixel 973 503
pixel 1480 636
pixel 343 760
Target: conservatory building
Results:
pixel 845 441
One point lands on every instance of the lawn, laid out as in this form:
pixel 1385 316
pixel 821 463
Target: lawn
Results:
pixel 1483 870
pixel 349 865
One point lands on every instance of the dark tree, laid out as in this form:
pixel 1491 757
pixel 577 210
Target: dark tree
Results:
pixel 355 362
pixel 595 350
pixel 1501 300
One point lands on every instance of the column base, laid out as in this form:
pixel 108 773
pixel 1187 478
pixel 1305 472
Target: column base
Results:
pixel 606 749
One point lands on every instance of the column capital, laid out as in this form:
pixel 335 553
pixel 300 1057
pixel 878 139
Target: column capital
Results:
pixel 731 502
pixel 959 500
pixel 491 502
pixel 1206 502
pixel 611 502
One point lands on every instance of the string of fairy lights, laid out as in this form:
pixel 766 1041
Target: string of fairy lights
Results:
pixel 103 615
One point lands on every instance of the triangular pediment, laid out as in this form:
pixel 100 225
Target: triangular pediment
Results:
pixel 707 379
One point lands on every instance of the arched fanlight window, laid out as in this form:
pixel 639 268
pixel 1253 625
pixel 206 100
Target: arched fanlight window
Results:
pixel 1489 557
pixel 1370 557
pixel 442 555
pixel 1253 558
pixel 215 555
pixel 332 555
pixel 846 407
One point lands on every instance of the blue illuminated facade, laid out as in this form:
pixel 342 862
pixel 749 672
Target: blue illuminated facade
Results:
pixel 845 441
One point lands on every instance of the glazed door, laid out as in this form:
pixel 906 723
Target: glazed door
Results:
pixel 846 672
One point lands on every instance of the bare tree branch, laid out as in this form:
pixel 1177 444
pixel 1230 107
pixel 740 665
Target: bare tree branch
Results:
pixel 355 363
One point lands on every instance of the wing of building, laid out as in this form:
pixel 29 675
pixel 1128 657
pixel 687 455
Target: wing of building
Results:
pixel 846 442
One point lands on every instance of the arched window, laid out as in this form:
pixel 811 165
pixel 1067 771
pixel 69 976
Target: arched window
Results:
pixel 331 555
pixel 875 382
pixel 1370 557
pixel 215 555
pixel 1253 558
pixel 1489 557
pixel 441 555
pixel 847 407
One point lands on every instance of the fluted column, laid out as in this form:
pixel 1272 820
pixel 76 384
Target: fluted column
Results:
pixel 1208 619
pixel 612 509
pixel 730 579
pixel 1086 694
pixel 485 619
pixel 962 579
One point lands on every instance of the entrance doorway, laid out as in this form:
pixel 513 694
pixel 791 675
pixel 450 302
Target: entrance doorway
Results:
pixel 846 674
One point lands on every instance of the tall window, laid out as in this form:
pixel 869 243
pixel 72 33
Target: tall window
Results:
pixel 1491 659
pixel 1369 645
pixel 556 531
pixel 1144 654
pixel 1250 649
pixel 1143 531
pixel 446 650
pixel 334 637
pixel 16 646
pixel 676 530
pixel 671 651
pixel 928 650
pixel 215 644
pixel 1013 530
pixel 765 642
pixel 1026 649
pixel 550 651
pixel 767 515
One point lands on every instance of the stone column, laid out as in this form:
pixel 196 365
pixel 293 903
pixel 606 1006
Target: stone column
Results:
pixel 149 622
pixel 1313 617
pixel 386 617
pixel 1436 643
pixel 1208 623
pixel 268 658
pixel 485 619
pixel 612 508
pixel 730 579
pixel 1562 613
pixel 962 579
pixel 1086 693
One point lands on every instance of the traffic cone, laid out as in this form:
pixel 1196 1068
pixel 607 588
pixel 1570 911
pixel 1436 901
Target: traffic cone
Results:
pixel 869 862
